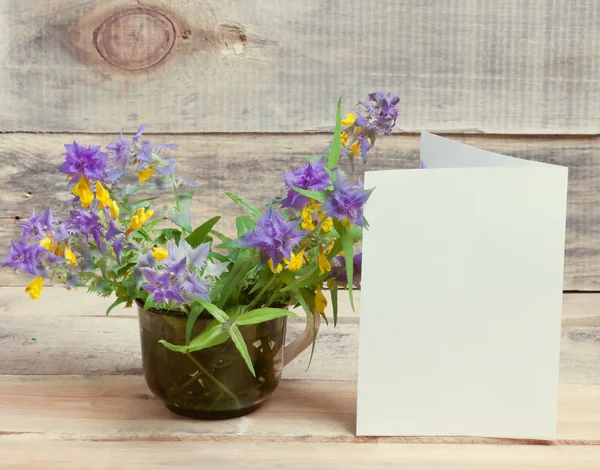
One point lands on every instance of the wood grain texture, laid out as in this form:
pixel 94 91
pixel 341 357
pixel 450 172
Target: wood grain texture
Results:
pixel 73 336
pixel 221 66
pixel 121 408
pixel 36 454
pixel 251 166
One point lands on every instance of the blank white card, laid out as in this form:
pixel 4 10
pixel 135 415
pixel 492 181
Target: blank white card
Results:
pixel 462 296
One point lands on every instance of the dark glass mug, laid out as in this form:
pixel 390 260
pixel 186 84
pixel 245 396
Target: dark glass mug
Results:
pixel 215 383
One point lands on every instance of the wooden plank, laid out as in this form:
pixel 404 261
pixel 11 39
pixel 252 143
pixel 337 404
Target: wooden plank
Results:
pixel 120 408
pixel 252 166
pixel 37 454
pixel 216 66
pixel 75 337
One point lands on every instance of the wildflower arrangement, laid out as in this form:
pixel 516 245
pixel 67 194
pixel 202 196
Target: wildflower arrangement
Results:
pixel 115 240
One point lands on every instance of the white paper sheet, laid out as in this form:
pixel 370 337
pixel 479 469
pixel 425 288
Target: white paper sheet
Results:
pixel 461 296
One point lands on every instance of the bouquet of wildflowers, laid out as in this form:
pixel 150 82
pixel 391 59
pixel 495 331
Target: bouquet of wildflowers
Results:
pixel 117 241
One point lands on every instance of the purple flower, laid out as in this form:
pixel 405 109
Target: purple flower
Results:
pixel 338 270
pixel 310 176
pixel 118 248
pixel 113 231
pixel 73 281
pixel 379 114
pixel 192 287
pixel 422 164
pixel 346 201
pixel 86 223
pixel 37 226
pixel 86 161
pixel 275 237
pixel 27 257
pixel 138 134
pixel 193 258
pixel 121 149
pixel 168 169
pixel 162 286
pixel 145 153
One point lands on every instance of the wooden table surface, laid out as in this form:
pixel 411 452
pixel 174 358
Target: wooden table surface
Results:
pixel 72 397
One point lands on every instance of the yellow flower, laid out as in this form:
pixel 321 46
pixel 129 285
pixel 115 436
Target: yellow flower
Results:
pixel 320 300
pixel 327 225
pixel 147 173
pixel 70 256
pixel 160 253
pixel 59 251
pixel 307 219
pixel 34 289
pixel 349 120
pixel 139 218
pixel 355 149
pixel 295 263
pixel 114 209
pixel 82 189
pixel 48 243
pixel 324 264
pixel 103 196
pixel 346 223
pixel 343 138
pixel 275 270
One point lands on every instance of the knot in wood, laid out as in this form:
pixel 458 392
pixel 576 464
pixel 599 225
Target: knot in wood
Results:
pixel 135 39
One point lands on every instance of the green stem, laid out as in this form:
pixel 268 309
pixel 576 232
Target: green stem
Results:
pixel 262 291
pixel 176 194
pixel 272 298
pixel 190 381
pixel 215 380
pixel 215 401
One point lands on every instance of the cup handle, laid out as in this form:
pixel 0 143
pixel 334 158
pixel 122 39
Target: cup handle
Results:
pixel 292 350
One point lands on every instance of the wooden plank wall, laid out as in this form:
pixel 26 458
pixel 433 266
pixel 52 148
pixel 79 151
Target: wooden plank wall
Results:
pixel 249 88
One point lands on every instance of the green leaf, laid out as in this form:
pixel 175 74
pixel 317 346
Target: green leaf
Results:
pixel 244 224
pixel 120 300
pixel 144 233
pixel 192 317
pixel 220 236
pixel 311 278
pixel 333 289
pixel 173 347
pixel 181 216
pixel 240 344
pixel 320 196
pixel 197 236
pixel 154 223
pixel 166 234
pixel 263 314
pixel 245 261
pixel 334 153
pixel 248 207
pixel 215 311
pixel 219 257
pixel 215 333
pixel 148 303
pixel 348 247
pixel 233 244
pixel 310 317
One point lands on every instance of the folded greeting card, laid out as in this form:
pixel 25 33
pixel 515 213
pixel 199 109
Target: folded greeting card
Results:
pixel 462 296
